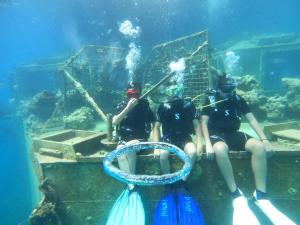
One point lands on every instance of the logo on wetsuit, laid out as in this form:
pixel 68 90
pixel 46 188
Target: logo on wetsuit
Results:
pixel 226 112
pixel 177 116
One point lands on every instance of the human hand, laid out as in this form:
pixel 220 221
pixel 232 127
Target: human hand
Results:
pixel 132 103
pixel 209 151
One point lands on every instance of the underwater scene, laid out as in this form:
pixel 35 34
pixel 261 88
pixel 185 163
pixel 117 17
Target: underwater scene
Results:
pixel 138 112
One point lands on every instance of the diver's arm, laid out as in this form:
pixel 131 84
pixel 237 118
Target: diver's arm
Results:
pixel 198 134
pixel 156 137
pixel 256 127
pixel 130 105
pixel 254 124
pixel 156 131
pixel 208 145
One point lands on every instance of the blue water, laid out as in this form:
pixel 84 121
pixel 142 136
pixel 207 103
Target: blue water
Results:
pixel 31 30
pixel 18 195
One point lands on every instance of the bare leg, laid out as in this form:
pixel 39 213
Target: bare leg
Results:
pixel 132 162
pixel 132 157
pixel 190 149
pixel 224 164
pixel 164 161
pixel 258 162
pixel 127 162
pixel 123 162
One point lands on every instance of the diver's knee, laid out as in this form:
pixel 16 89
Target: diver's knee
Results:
pixel 220 149
pixel 255 147
pixel 164 155
pixel 190 149
pixel 132 142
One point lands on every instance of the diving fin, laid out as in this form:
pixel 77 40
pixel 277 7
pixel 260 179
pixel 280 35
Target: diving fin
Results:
pixel 189 212
pixel 134 212
pixel 116 213
pixel 242 214
pixel 165 211
pixel 127 210
pixel 276 217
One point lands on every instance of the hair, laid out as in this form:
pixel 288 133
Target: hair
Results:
pixel 134 85
pixel 225 79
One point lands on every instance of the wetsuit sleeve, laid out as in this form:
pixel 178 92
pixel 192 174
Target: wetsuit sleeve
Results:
pixel 244 107
pixel 206 111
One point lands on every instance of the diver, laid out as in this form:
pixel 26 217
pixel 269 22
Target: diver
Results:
pixel 179 119
pixel 221 121
pixel 133 120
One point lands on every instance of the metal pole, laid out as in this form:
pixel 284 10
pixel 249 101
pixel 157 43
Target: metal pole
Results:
pixel 85 94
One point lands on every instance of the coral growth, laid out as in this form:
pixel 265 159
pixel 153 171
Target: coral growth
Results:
pixel 249 88
pixel 41 105
pixel 47 212
pixel 81 118
pixel 292 96
pixel 248 83
pixel 275 107
pixel 272 108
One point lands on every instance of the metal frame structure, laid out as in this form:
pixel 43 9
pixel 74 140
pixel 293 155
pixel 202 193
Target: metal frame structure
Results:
pixel 194 49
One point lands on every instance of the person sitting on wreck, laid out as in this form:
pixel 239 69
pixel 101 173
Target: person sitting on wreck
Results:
pixel 221 119
pixel 133 121
pixel 179 119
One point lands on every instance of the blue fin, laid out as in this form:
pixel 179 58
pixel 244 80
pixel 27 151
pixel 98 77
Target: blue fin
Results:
pixel 165 211
pixel 189 212
pixel 127 210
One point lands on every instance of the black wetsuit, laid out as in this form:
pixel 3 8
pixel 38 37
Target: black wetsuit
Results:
pixel 176 117
pixel 225 120
pixel 137 123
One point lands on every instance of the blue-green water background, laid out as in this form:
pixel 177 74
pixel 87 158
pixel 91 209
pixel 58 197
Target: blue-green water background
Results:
pixel 31 30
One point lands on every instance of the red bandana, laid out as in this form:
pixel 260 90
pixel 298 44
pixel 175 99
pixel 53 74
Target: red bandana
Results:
pixel 132 93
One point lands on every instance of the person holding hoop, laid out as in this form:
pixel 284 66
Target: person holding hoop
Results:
pixel 133 120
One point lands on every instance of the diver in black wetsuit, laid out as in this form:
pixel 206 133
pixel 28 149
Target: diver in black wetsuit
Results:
pixel 179 119
pixel 220 125
pixel 133 120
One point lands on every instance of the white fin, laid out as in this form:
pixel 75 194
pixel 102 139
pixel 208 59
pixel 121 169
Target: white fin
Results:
pixel 277 217
pixel 242 214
